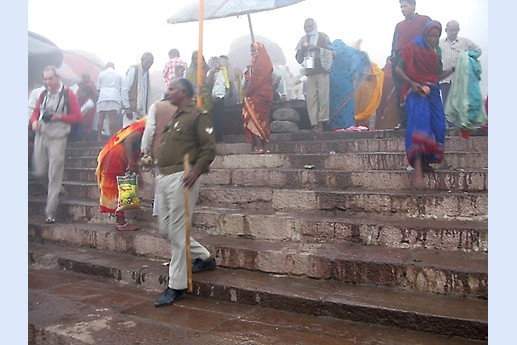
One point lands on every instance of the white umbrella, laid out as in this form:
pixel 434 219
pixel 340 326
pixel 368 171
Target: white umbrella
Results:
pixel 214 9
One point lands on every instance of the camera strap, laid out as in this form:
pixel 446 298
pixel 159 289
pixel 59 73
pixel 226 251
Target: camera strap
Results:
pixel 63 94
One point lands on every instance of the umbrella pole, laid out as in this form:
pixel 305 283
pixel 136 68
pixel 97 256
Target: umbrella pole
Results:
pixel 251 29
pixel 199 100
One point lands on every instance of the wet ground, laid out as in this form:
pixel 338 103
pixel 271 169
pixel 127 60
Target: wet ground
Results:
pixel 71 308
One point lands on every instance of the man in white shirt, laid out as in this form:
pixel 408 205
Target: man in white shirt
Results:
pixel 109 84
pixel 451 46
pixel 218 77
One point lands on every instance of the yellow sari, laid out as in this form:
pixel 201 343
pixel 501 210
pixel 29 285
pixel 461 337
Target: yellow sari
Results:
pixel 368 95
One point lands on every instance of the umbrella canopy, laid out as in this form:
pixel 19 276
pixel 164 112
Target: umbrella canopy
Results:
pixel 76 62
pixel 214 9
pixel 41 53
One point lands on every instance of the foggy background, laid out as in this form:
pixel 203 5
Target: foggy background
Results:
pixel 120 31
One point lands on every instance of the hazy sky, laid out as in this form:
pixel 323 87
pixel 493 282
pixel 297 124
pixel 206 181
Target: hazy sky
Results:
pixel 121 30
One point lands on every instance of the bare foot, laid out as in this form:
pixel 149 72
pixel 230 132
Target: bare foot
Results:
pixel 418 175
pixel 417 181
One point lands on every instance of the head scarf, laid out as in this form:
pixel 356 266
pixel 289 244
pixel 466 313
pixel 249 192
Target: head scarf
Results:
pixel 431 24
pixel 423 62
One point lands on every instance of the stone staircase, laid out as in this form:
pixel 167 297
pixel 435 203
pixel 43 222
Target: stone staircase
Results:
pixel 326 225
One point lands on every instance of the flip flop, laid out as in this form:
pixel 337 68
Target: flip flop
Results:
pixel 127 227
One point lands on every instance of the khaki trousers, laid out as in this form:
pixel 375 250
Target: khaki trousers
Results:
pixel 49 166
pixel 318 97
pixel 171 215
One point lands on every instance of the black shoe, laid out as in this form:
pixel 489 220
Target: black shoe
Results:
pixel 203 265
pixel 169 297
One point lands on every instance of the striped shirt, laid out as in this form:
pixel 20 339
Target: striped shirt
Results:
pixel 450 51
pixel 168 71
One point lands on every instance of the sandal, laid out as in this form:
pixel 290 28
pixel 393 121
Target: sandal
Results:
pixel 126 227
pixel 257 152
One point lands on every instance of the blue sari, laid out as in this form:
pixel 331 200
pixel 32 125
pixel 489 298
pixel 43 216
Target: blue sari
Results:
pixel 349 68
pixel 425 131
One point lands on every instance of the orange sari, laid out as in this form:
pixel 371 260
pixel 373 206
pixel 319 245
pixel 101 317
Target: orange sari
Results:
pixel 112 162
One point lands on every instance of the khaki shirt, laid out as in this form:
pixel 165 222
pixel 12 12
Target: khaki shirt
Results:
pixel 190 131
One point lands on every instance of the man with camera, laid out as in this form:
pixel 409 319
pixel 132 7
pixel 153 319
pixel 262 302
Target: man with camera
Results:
pixel 57 108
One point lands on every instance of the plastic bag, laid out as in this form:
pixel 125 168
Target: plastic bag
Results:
pixel 128 192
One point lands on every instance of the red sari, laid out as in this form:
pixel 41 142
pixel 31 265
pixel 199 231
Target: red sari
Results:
pixel 259 95
pixel 112 162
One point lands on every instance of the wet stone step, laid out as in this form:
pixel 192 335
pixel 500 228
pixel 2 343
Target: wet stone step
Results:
pixel 474 144
pixel 311 227
pixel 441 272
pixel 337 161
pixel 400 204
pixel 393 307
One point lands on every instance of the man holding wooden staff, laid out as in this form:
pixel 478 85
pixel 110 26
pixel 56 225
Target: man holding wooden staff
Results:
pixel 190 134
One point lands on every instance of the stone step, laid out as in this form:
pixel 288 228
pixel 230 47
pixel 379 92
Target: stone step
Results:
pixel 305 227
pixel 477 144
pixel 474 144
pixel 408 204
pixel 336 135
pixel 337 161
pixel 464 180
pixel 393 307
pixel 327 227
pixel 459 180
pixel 346 161
pixel 431 271
pixel 66 307
pixel 425 204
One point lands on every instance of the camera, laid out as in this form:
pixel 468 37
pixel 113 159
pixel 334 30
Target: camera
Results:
pixel 47 115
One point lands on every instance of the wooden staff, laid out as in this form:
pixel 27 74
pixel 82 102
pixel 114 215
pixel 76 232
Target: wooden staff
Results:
pixel 186 170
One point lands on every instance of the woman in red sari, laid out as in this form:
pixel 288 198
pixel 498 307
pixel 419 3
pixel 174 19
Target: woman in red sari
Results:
pixel 259 99
pixel 120 154
pixel 421 69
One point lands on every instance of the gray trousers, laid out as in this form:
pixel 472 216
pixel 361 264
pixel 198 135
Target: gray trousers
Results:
pixel 49 165
pixel 318 97
pixel 171 215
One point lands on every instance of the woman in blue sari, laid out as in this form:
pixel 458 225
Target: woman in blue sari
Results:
pixel 421 69
pixel 349 68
